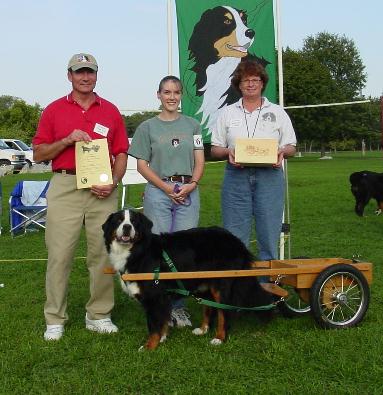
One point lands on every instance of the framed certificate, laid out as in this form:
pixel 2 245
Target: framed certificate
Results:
pixel 93 163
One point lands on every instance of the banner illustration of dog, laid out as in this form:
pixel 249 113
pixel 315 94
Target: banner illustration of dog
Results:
pixel 213 37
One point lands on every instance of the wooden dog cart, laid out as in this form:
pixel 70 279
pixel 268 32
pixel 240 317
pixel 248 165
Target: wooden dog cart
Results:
pixel 335 290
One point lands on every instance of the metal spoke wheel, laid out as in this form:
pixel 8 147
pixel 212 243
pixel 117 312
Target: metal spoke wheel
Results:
pixel 297 303
pixel 294 305
pixel 339 297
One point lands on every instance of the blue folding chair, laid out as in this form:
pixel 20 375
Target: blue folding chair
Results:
pixel 28 206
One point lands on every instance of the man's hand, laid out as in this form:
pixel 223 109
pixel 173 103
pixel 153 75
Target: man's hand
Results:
pixel 102 191
pixel 76 135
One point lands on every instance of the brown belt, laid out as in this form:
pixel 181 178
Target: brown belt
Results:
pixel 183 179
pixel 65 171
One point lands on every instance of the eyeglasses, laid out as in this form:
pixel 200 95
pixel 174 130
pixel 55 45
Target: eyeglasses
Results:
pixel 252 81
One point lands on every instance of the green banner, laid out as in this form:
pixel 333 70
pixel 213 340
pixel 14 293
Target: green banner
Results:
pixel 213 37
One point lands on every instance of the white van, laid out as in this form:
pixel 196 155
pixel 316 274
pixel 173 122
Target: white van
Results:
pixel 11 157
pixel 21 146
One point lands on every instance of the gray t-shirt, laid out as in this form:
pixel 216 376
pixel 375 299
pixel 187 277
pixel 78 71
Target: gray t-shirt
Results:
pixel 168 146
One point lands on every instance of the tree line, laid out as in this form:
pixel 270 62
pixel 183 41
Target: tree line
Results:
pixel 327 69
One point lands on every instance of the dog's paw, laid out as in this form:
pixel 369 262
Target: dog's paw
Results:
pixel 141 349
pixel 163 338
pixel 378 211
pixel 200 331
pixel 216 342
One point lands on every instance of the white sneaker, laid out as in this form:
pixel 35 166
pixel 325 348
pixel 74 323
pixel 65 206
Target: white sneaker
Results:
pixel 54 332
pixel 180 318
pixel 104 325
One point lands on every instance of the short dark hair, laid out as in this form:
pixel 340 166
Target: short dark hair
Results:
pixel 249 68
pixel 171 78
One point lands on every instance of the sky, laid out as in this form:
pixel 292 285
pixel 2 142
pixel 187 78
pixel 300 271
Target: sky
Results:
pixel 129 40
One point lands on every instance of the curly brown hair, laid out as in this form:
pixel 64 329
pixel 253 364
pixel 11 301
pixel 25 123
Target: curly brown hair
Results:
pixel 248 68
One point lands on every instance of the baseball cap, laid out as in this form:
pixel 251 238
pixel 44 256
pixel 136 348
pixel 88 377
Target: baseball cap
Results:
pixel 81 60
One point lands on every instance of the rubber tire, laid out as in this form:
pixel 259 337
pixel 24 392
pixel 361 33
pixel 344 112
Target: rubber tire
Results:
pixel 363 289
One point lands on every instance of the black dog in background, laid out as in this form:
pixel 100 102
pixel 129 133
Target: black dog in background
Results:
pixel 366 185
pixel 133 248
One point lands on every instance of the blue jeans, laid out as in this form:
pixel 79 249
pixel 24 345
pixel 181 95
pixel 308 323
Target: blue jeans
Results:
pixel 254 192
pixel 170 217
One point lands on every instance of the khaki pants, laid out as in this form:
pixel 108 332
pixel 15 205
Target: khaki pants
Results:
pixel 68 209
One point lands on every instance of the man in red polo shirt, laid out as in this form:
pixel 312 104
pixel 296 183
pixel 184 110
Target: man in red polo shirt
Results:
pixel 80 116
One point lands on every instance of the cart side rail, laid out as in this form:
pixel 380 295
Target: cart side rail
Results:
pixel 288 268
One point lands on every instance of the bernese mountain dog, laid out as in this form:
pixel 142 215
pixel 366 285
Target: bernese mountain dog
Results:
pixel 133 248
pixel 367 185
pixel 220 40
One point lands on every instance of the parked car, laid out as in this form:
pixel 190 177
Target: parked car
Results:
pixel 11 157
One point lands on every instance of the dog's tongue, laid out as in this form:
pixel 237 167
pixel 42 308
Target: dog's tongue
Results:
pixel 125 238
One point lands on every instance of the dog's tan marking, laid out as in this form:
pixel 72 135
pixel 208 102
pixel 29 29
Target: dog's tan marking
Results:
pixel 225 44
pixel 220 331
pixel 164 332
pixel 206 314
pixel 204 327
pixel 153 341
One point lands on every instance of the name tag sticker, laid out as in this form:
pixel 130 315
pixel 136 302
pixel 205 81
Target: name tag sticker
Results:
pixel 198 142
pixel 101 129
pixel 235 123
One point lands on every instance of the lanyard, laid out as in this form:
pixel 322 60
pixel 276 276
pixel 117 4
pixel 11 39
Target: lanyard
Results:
pixel 256 123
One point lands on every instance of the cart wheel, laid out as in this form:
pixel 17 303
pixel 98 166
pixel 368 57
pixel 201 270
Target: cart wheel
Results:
pixel 339 297
pixel 297 303
pixel 293 305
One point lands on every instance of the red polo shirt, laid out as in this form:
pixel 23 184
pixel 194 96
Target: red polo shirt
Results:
pixel 61 117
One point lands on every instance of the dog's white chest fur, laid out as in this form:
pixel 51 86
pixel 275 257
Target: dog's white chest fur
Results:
pixel 118 254
pixel 118 257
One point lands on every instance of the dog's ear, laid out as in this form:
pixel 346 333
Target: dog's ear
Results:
pixel 143 226
pixel 105 225
pixel 148 224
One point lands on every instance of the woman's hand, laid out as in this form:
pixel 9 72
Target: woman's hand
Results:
pixel 284 152
pixel 231 158
pixel 180 194
pixel 281 156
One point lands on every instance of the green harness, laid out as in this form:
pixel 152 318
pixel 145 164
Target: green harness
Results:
pixel 181 290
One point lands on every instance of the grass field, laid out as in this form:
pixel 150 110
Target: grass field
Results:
pixel 284 356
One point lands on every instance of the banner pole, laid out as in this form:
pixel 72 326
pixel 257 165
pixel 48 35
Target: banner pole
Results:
pixel 285 234
pixel 279 47
pixel 170 38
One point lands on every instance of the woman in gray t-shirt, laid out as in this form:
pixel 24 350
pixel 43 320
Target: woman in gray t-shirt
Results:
pixel 170 155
